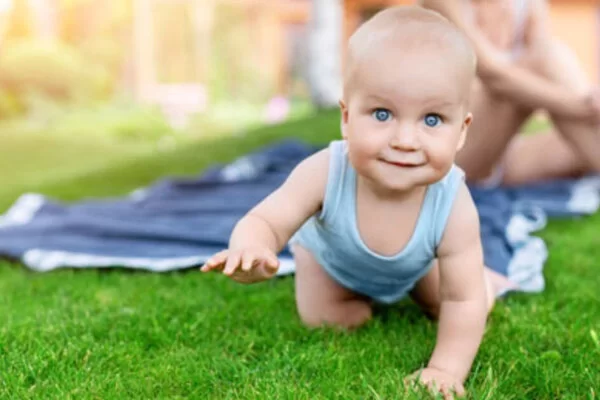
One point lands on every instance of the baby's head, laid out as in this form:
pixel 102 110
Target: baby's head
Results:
pixel 407 80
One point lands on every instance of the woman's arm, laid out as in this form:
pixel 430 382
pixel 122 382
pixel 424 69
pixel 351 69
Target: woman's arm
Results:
pixel 511 81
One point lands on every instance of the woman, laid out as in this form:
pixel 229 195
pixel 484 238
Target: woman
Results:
pixel 522 68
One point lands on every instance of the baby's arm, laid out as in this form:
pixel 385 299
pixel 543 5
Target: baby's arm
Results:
pixel 266 229
pixel 463 308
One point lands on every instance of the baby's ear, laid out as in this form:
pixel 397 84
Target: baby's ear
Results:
pixel 344 119
pixel 463 131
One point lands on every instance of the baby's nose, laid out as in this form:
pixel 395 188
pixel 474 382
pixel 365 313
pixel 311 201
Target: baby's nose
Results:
pixel 405 138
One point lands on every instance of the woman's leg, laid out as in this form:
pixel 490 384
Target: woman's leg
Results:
pixel 560 65
pixel 573 147
pixel 539 157
pixel 495 123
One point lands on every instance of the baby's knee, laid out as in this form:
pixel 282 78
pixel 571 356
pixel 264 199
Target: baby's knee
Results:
pixel 346 315
pixel 432 311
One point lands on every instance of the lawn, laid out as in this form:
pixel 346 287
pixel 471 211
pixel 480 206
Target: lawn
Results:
pixel 118 334
pixel 31 161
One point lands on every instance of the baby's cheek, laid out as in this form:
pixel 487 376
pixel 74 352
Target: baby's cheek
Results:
pixel 355 155
pixel 442 157
pixel 362 142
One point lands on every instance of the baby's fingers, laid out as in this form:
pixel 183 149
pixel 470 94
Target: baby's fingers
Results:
pixel 271 262
pixel 215 262
pixel 233 262
pixel 248 260
pixel 448 391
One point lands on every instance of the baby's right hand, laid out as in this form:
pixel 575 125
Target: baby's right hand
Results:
pixel 244 265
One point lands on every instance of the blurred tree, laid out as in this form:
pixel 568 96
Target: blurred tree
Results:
pixel 102 31
pixel 20 23
pixel 325 52
pixel 45 18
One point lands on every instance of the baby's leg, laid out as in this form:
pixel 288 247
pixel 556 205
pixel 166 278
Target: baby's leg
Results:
pixel 427 291
pixel 321 300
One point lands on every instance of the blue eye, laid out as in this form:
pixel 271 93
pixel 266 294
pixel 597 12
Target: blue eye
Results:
pixel 432 120
pixel 382 115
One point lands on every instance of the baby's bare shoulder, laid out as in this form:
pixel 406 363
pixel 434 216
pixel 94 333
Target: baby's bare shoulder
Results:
pixel 308 180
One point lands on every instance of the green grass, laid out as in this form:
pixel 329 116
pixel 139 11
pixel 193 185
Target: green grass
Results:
pixel 29 161
pixel 119 334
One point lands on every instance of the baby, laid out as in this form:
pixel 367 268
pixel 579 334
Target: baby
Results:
pixel 384 213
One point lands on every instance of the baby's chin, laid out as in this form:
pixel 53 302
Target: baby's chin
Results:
pixel 406 185
pixel 397 184
pixel 411 180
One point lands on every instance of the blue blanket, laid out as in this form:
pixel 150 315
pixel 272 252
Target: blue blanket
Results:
pixel 178 223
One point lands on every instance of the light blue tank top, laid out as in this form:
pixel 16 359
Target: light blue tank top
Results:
pixel 333 239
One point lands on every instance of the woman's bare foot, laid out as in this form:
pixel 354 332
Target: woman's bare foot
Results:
pixel 496 284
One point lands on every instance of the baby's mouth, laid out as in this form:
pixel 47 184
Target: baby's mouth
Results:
pixel 402 164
